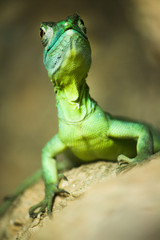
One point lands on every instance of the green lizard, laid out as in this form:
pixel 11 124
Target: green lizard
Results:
pixel 84 128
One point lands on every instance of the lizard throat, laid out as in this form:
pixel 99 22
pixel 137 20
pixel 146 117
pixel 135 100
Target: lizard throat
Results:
pixel 75 110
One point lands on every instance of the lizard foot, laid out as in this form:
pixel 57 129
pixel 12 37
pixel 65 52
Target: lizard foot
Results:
pixel 122 159
pixel 127 163
pixel 125 167
pixel 47 202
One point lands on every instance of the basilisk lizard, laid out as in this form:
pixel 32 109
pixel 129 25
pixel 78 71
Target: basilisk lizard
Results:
pixel 84 128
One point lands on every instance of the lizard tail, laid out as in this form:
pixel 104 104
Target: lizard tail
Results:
pixel 27 183
pixel 19 190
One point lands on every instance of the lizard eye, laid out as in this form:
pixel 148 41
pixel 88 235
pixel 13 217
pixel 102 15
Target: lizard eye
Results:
pixel 81 21
pixel 42 33
pixel 81 25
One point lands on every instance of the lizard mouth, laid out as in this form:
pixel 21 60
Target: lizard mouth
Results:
pixel 61 32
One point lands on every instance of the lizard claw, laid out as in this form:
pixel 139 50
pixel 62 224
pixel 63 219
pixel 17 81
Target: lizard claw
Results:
pixel 125 164
pixel 47 203
pixel 123 168
pixel 63 191
pixel 62 176
pixel 123 160
pixel 32 212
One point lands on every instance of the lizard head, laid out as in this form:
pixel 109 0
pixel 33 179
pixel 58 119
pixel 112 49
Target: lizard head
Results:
pixel 67 52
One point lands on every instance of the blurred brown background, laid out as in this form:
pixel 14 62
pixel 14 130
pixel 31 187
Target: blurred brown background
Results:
pixel 124 77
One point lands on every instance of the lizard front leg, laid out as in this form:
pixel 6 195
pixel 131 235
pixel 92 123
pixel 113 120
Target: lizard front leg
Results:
pixel 136 131
pixel 50 175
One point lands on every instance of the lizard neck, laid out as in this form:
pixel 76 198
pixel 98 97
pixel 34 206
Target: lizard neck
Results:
pixel 73 101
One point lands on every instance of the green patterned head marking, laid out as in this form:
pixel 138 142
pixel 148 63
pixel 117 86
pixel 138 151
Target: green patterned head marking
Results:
pixel 65 43
pixel 53 30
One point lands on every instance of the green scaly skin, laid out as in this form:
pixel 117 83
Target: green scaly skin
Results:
pixel 84 128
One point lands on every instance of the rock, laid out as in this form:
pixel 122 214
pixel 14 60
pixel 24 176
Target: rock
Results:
pixel 124 207
pixel 16 223
pixel 101 205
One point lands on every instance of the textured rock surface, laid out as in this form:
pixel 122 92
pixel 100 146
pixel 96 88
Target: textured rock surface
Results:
pixel 101 205
pixel 122 208
pixel 16 222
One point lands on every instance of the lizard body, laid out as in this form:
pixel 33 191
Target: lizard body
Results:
pixel 84 128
